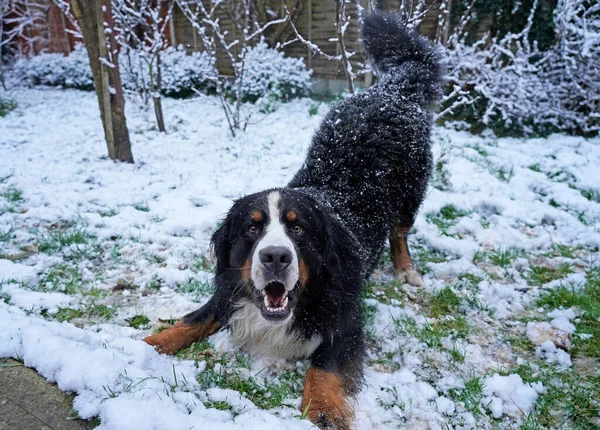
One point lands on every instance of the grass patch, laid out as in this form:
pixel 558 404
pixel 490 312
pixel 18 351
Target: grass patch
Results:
pixel 61 277
pixel 231 371
pixel 196 288
pixel 443 302
pixel 6 106
pixel 432 334
pixel 425 256
pixel 586 298
pixel 470 278
pixel 58 238
pixel 138 321
pixel 561 250
pixel 470 395
pixel 591 195
pixel 502 257
pixel 142 207
pixel 540 275
pixel 446 218
pixel 12 195
pixel 7 235
pixel 203 264
pixel 92 312
pixel 387 293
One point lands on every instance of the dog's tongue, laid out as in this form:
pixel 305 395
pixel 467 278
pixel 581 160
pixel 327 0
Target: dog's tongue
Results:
pixel 276 295
pixel 275 301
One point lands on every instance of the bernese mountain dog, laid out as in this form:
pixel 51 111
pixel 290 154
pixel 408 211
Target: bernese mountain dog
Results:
pixel 292 262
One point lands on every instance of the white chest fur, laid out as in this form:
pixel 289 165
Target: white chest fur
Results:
pixel 260 337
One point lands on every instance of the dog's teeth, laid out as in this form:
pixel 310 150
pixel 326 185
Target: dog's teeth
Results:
pixel 266 300
pixel 285 302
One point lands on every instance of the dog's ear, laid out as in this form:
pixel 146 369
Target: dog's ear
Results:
pixel 220 243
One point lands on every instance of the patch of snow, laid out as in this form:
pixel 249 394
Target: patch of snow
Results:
pixel 508 395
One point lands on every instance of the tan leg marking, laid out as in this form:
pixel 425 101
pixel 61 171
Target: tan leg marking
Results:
pixel 181 336
pixel 323 396
pixel 404 269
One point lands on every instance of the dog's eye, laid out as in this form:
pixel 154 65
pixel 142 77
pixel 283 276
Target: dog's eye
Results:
pixel 252 229
pixel 298 229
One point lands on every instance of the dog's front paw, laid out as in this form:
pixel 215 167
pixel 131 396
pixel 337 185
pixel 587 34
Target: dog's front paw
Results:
pixel 410 276
pixel 323 401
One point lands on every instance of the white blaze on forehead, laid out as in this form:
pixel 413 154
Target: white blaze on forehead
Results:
pixel 275 235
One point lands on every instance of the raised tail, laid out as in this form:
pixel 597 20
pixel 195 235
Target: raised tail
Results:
pixel 401 53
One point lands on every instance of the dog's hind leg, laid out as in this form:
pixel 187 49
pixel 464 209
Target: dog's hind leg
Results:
pixel 404 269
pixel 191 328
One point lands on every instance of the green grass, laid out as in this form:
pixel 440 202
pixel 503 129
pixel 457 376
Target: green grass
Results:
pixel 446 218
pixel 7 235
pixel 586 298
pixel 424 256
pixel 142 207
pixel 470 395
pixel 569 401
pixel 504 175
pixel 138 321
pixel 202 263
pixel 540 275
pixel 108 213
pixel 4 297
pixel 502 257
pixel 470 278
pixel 95 312
pixel 6 106
pixel 443 302
pixel 591 194
pixel 196 288
pixel 61 277
pixel 561 250
pixel 432 334
pixel 12 195
pixel 390 292
pixel 231 371
pixel 62 237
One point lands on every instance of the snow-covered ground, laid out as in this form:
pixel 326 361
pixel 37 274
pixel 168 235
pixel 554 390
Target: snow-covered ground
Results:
pixel 96 255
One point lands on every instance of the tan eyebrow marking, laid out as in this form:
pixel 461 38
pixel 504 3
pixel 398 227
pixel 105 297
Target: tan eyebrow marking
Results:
pixel 257 216
pixel 291 215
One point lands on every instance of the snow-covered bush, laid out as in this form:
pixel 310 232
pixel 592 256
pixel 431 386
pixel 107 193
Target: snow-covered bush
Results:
pixel 509 85
pixel 181 73
pixel 573 68
pixel 72 71
pixel 267 74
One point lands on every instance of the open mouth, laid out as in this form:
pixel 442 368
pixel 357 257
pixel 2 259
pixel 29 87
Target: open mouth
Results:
pixel 275 301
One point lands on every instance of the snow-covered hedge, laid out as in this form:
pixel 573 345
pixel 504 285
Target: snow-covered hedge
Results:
pixel 72 71
pixel 268 74
pixel 181 73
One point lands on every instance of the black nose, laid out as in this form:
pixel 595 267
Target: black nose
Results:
pixel 276 258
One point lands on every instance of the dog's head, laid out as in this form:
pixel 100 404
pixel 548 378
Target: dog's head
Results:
pixel 270 247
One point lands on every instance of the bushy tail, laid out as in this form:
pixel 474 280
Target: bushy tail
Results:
pixel 402 53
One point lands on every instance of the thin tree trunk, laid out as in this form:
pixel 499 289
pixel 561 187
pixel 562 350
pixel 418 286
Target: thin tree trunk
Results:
pixel 340 21
pixel 156 96
pixel 107 79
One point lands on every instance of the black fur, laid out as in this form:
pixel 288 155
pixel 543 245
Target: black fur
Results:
pixel 366 171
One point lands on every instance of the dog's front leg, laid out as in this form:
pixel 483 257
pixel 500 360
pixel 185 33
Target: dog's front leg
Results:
pixel 191 328
pixel 334 376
